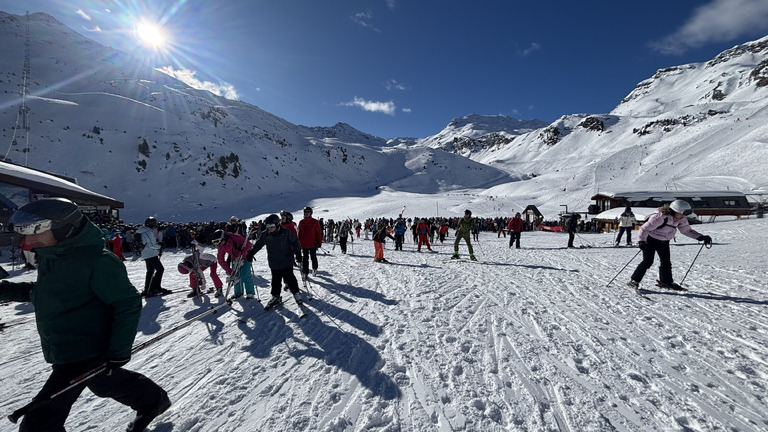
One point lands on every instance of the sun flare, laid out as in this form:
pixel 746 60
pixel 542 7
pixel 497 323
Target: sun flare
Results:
pixel 150 35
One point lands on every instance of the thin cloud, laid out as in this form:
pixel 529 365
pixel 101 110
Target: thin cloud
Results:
pixel 394 85
pixel 372 106
pixel 188 77
pixel 717 21
pixel 390 4
pixel 406 110
pixel 533 47
pixel 364 19
pixel 83 14
pixel 94 29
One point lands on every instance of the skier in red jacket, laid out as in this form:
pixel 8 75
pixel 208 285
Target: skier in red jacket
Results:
pixel 310 238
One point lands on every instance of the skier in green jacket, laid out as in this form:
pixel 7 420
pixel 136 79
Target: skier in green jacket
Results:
pixel 87 313
pixel 463 231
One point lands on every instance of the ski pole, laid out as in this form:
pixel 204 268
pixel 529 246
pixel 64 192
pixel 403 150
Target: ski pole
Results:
pixel 16 415
pixel 625 266
pixel 253 275
pixel 694 260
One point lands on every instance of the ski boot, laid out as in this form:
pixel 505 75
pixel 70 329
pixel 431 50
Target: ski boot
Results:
pixel 273 302
pixel 633 284
pixel 472 257
pixel 218 292
pixel 670 286
pixel 145 417
pixel 455 255
pixel 298 299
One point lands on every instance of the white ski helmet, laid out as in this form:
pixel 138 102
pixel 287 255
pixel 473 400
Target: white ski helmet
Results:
pixel 680 206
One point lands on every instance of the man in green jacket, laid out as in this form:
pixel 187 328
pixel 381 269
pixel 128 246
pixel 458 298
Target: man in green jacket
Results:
pixel 87 313
pixel 463 231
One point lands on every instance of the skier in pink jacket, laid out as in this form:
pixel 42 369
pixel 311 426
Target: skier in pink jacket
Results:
pixel 237 247
pixel 654 236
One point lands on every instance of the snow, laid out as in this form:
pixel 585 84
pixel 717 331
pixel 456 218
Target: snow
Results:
pixel 532 340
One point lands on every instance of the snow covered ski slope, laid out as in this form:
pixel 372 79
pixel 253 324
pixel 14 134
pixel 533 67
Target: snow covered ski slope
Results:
pixel 533 340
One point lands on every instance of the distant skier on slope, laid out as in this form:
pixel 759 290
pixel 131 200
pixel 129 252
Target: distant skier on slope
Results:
pixel 464 228
pixel 654 236
pixel 150 253
pixel 627 222
pixel 422 229
pixel 379 238
pixel 515 227
pixel 283 250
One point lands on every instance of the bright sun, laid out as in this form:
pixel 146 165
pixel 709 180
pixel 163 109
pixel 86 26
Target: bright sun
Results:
pixel 150 35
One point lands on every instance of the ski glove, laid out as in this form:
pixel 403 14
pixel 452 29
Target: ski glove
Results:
pixel 642 245
pixel 249 255
pixel 113 364
pixel 706 239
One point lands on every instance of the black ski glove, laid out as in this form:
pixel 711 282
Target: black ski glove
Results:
pixel 706 239
pixel 249 255
pixel 113 364
pixel 642 245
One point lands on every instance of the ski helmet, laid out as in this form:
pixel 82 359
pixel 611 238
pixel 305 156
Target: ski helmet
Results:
pixel 682 207
pixel 468 212
pixel 150 222
pixel 272 221
pixel 218 236
pixel 233 219
pixel 59 215
pixel 308 210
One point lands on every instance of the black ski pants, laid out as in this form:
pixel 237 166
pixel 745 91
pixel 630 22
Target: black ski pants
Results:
pixel 652 247
pixel 280 275
pixel 127 387
pixel 154 276
pixel 514 237
pixel 306 254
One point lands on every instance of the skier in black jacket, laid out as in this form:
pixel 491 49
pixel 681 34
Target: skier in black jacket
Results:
pixel 283 250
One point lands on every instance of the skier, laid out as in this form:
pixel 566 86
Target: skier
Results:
pixel 286 221
pixel 627 223
pixel 515 227
pixel 464 228
pixel 237 247
pixel 572 225
pixel 344 231
pixel 654 236
pixel 204 261
pixel 236 226
pixel 400 229
pixel 282 249
pixel 422 229
pixel 87 316
pixel 379 238
pixel 310 238
pixel 443 232
pixel 150 253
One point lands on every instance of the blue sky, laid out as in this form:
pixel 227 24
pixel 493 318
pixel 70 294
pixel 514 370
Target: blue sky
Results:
pixel 397 68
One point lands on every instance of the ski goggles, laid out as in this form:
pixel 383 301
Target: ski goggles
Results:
pixel 271 226
pixel 34 228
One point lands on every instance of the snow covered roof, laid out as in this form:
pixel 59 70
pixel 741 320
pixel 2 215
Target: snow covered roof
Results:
pixel 666 195
pixel 32 178
pixel 641 213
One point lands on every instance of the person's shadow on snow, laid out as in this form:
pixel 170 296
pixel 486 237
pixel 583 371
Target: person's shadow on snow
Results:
pixel 350 353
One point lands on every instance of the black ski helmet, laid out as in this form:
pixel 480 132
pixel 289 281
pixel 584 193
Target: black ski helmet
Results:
pixel 150 222
pixel 59 215
pixel 468 212
pixel 272 220
pixel 308 209
pixel 218 237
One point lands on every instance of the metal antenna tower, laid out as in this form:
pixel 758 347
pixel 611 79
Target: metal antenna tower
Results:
pixel 24 109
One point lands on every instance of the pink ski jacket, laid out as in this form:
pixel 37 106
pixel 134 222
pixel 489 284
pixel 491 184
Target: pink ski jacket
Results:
pixel 664 226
